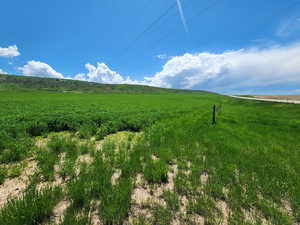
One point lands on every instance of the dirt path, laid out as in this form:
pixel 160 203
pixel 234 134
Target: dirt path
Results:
pixel 267 99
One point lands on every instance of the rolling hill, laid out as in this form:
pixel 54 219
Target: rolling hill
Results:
pixel 66 85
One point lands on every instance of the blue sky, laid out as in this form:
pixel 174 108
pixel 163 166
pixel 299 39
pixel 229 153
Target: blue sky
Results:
pixel 229 46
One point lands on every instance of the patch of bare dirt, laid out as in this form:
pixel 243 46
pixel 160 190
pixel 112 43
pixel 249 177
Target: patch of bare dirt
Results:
pixel 144 195
pixel 115 177
pixel 58 212
pixel 14 187
pixel 197 219
pixel 94 215
pixel 154 157
pixel 171 174
pixel 183 205
pixel 224 209
pixel 287 208
pixel 204 178
pixel 82 159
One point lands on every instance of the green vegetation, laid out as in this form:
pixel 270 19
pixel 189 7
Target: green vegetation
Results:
pixel 32 208
pixel 151 158
pixel 34 113
pixel 25 83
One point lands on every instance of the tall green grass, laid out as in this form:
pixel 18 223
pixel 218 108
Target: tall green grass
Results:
pixel 32 208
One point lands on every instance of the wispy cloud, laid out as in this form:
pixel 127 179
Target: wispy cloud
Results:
pixel 162 56
pixel 288 27
pixel 183 20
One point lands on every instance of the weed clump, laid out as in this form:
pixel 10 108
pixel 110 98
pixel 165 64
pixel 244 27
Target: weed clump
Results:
pixel 172 200
pixel 87 130
pixel 156 172
pixel 102 131
pixel 161 215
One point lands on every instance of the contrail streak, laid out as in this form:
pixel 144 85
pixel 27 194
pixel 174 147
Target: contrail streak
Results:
pixel 182 16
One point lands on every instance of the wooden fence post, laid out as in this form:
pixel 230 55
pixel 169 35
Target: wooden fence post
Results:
pixel 214 119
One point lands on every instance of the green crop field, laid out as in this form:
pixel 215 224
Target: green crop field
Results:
pixel 116 155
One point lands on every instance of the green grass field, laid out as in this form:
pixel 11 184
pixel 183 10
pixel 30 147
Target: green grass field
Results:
pixel 146 158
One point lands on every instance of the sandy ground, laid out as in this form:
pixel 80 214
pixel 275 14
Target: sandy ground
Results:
pixel 14 187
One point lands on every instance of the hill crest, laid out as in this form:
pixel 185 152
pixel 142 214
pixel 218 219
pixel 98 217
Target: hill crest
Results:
pixel 68 85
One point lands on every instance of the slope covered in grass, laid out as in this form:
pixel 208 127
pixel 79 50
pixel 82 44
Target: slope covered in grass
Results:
pixel 25 114
pixel 148 159
pixel 13 82
pixel 180 170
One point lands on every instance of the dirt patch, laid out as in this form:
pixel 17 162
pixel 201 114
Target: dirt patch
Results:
pixel 94 215
pixel 86 158
pixel 115 177
pixel 204 178
pixel 224 209
pixel 143 196
pixel 287 208
pixel 196 219
pixel 13 187
pixel 171 174
pixel 58 212
pixel 154 158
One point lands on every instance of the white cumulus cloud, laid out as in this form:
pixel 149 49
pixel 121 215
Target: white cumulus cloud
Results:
pixel 101 73
pixel 9 52
pixel 247 70
pixel 40 69
pixel 272 70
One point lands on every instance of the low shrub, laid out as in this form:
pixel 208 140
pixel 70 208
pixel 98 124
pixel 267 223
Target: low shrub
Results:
pixel 16 151
pixel 102 132
pixel 36 129
pixel 87 130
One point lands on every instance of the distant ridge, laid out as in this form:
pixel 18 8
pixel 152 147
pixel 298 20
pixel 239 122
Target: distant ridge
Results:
pixel 13 82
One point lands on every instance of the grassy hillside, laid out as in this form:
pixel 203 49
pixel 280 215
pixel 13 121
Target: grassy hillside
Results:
pixel 65 85
pixel 147 159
